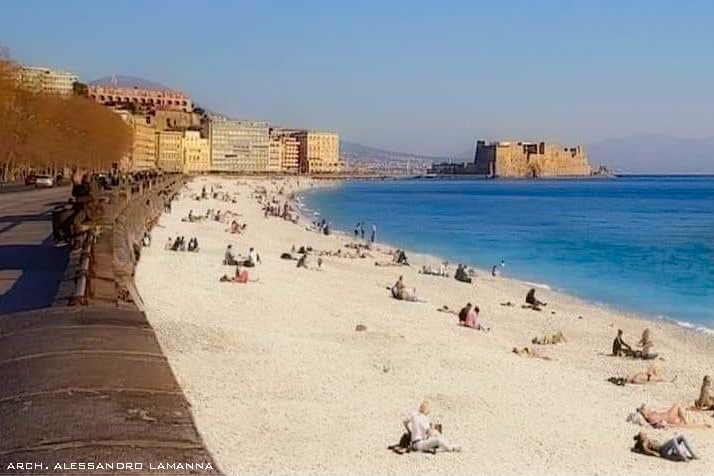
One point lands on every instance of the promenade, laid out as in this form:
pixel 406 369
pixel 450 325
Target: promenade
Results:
pixel 31 267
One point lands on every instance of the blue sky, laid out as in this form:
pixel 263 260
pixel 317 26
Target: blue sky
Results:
pixel 417 76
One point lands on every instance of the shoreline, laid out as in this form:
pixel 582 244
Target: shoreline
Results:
pixel 280 380
pixel 609 307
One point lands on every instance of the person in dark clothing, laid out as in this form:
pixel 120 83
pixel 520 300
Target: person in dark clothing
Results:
pixel 620 347
pixel 461 274
pixel 533 302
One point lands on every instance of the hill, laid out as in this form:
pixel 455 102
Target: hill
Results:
pixel 654 154
pixel 372 157
pixel 128 82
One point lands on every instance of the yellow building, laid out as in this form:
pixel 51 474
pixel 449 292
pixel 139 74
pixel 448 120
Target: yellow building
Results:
pixel 195 152
pixel 275 151
pixel 290 155
pixel 169 150
pixel 143 147
pixel 47 81
pixel 318 152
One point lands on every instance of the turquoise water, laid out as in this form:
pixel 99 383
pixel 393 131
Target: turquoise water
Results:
pixel 643 244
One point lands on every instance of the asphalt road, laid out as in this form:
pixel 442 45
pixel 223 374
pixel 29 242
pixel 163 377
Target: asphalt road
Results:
pixel 31 267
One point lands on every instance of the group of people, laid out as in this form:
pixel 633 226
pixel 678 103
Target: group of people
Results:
pixel 620 348
pixel 179 244
pixel 359 231
pixel 250 261
pixel 462 274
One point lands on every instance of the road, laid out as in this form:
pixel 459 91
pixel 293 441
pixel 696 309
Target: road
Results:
pixel 31 267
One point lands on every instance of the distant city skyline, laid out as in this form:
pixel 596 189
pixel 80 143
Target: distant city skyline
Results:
pixel 419 77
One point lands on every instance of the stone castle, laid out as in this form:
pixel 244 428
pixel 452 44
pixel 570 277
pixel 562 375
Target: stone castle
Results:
pixel 529 159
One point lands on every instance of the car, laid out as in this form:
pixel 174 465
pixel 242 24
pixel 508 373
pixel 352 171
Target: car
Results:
pixel 31 179
pixel 44 181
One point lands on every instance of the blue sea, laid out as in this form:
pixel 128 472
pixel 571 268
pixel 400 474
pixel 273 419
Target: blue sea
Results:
pixel 641 244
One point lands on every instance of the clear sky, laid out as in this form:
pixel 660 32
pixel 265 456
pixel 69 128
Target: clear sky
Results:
pixel 417 76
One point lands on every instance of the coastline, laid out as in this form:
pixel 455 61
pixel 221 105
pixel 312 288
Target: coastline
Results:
pixel 307 215
pixel 234 350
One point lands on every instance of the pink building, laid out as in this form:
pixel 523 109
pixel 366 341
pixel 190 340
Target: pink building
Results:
pixel 148 98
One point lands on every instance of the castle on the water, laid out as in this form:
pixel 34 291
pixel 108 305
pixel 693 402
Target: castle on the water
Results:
pixel 529 159
pixel 521 159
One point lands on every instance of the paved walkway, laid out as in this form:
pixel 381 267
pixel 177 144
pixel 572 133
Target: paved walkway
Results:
pixel 31 268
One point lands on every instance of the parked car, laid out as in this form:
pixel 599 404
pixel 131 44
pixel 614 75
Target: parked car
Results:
pixel 44 181
pixel 31 179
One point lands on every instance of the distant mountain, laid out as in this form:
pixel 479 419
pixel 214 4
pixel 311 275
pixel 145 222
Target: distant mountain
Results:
pixel 128 82
pixel 654 154
pixel 357 153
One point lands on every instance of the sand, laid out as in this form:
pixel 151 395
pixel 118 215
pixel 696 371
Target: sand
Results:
pixel 280 382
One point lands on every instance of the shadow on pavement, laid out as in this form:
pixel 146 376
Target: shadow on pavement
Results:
pixel 42 267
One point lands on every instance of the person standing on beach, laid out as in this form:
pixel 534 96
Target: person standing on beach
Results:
pixel 356 230
pixel 374 233
pixel 361 229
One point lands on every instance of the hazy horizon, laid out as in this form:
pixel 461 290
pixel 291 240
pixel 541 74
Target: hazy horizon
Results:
pixel 427 78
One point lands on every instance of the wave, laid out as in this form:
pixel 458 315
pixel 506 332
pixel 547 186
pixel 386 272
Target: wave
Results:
pixel 538 285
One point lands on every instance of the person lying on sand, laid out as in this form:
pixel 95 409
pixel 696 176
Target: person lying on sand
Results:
pixel 532 302
pixel 651 375
pixel 400 292
pixel 706 399
pixel 425 436
pixel 677 448
pixel 557 338
pixel 441 271
pixel 530 352
pixel 675 416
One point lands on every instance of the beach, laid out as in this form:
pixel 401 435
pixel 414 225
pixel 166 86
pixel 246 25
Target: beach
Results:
pixel 281 382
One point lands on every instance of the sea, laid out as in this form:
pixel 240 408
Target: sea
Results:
pixel 642 244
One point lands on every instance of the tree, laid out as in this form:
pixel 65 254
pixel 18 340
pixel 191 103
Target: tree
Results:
pixel 48 132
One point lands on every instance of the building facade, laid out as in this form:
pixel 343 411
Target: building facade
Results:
pixel 195 153
pixel 143 146
pixel 529 159
pixel 139 97
pixel 318 152
pixel 169 152
pixel 238 145
pixel 47 81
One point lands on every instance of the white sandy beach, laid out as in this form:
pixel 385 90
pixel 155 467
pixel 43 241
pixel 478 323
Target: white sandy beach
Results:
pixel 280 382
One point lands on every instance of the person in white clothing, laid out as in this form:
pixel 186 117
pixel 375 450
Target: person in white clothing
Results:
pixel 424 437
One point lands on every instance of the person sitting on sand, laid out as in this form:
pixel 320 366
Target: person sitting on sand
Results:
pixel 620 347
pixel 706 399
pixel 302 262
pixel 533 302
pixel 425 437
pixel 168 244
pixel 530 352
pixel 471 319
pixel 557 338
pixel 193 245
pixel 651 375
pixel 252 260
pixel 646 343
pixel 677 448
pixel 400 292
pixel 241 277
pixel 402 258
pixel 675 416
pixel 230 259
pixel 461 275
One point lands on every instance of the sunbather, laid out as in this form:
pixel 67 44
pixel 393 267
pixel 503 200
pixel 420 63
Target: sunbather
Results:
pixel 400 292
pixel 530 352
pixel 651 375
pixel 424 435
pixel 706 399
pixel 675 416
pixel 678 448
pixel 557 338
pixel 532 302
